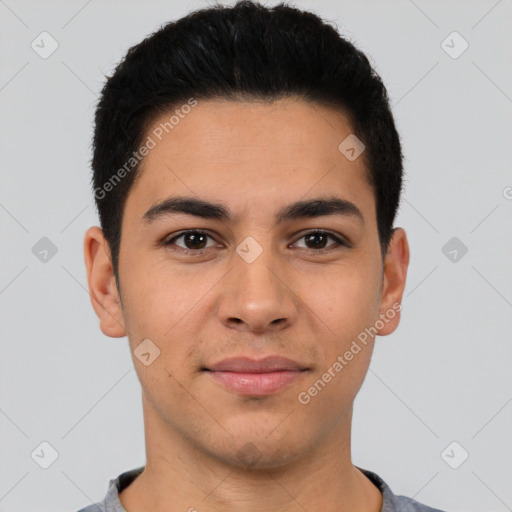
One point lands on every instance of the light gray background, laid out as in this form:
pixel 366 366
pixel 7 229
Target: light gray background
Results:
pixel 443 376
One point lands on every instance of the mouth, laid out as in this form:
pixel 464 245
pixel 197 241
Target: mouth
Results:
pixel 256 377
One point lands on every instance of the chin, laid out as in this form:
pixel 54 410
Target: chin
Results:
pixel 255 452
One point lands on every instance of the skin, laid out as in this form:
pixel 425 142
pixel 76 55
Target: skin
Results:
pixel 298 299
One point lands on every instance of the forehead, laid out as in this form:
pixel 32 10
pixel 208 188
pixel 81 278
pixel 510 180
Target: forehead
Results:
pixel 245 153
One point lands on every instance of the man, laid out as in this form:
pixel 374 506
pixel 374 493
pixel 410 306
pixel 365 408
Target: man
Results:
pixel 247 173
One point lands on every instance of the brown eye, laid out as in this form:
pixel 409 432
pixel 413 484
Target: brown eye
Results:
pixel 317 240
pixel 192 240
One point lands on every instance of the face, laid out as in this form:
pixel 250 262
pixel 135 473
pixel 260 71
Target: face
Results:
pixel 274 255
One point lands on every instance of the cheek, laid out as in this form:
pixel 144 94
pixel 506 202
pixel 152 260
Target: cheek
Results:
pixel 158 297
pixel 342 306
pixel 168 315
pixel 347 301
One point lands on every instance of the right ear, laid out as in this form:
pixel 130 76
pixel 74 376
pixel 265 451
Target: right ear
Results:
pixel 102 284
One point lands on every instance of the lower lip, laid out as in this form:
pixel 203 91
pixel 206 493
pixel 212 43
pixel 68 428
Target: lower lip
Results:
pixel 256 384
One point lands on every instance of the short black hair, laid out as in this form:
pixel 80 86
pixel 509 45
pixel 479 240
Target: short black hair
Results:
pixel 241 53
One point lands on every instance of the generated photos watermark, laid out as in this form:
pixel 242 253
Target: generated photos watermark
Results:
pixel 304 397
pixel 150 143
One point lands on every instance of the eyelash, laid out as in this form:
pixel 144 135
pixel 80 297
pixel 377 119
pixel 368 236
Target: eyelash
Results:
pixel 198 252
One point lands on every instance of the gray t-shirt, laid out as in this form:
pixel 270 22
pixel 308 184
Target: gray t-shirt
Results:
pixel 391 502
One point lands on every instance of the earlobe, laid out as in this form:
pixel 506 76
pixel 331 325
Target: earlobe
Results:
pixel 101 282
pixel 395 274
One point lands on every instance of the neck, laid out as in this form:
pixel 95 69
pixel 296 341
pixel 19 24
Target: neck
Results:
pixel 179 475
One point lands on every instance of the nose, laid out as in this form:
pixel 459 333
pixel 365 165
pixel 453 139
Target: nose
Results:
pixel 257 296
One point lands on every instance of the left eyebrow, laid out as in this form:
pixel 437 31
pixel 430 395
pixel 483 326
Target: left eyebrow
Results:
pixel 298 210
pixel 319 207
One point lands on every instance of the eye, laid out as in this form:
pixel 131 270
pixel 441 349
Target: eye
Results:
pixel 194 241
pixel 318 239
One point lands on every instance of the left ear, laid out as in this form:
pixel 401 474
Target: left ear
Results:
pixel 395 273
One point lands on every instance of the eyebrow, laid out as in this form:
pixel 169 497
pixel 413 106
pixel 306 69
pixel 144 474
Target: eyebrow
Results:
pixel 299 210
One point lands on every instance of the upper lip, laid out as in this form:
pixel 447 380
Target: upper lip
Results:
pixel 249 365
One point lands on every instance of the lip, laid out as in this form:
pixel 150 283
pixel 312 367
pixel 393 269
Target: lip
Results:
pixel 256 377
pixel 250 365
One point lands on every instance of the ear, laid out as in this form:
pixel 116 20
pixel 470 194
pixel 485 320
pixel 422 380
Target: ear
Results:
pixel 102 286
pixel 395 273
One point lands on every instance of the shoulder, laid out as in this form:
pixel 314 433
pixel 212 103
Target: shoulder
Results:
pixel 111 501
pixel 102 506
pixel 96 507
pixel 392 502
pixel 405 504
